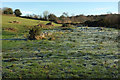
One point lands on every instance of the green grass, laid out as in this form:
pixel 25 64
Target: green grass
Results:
pixel 77 53
pixel 21 28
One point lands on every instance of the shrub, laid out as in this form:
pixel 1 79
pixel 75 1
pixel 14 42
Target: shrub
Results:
pixel 7 11
pixel 35 31
pixel 17 12
pixel 66 25
pixel 52 17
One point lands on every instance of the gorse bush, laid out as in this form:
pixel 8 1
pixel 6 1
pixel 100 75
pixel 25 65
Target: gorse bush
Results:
pixel 35 31
pixel 66 25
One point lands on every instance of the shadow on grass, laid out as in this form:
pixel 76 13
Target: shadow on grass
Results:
pixel 15 39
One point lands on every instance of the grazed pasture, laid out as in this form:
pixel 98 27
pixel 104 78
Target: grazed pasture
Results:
pixel 78 53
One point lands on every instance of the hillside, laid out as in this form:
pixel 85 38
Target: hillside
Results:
pixel 20 28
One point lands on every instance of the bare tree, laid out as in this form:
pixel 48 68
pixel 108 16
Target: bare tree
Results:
pixel 45 15
pixel 66 16
pixel 73 15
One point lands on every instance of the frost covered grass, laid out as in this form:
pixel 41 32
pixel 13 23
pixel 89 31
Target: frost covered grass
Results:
pixel 80 53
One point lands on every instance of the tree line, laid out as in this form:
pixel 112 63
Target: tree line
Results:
pixel 106 20
pixel 9 11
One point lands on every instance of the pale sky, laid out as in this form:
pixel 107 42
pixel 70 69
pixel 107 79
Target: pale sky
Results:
pixel 76 8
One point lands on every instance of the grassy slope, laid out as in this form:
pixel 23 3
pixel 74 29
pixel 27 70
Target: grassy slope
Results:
pixel 82 53
pixel 21 28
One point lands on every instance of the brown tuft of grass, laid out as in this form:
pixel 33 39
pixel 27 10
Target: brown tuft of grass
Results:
pixel 10 29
